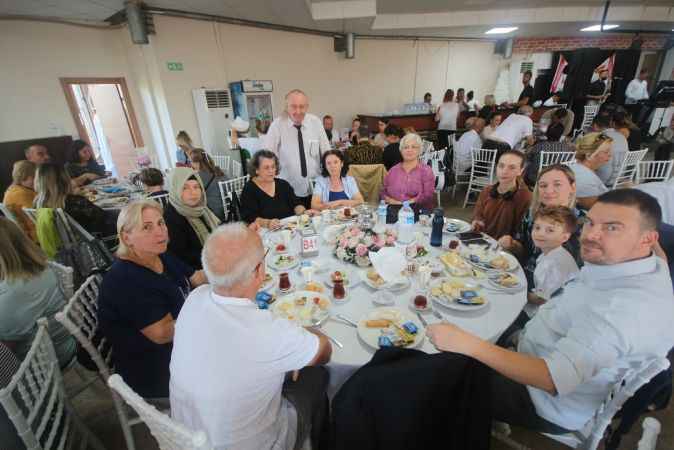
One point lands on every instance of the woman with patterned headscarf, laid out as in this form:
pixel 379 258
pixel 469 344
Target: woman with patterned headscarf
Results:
pixel 188 219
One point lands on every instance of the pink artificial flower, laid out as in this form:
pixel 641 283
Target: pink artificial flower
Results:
pixel 361 250
pixel 342 242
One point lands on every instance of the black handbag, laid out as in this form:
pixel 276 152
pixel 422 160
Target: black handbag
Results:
pixel 234 208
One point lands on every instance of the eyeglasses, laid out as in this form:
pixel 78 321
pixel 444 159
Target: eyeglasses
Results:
pixel 263 258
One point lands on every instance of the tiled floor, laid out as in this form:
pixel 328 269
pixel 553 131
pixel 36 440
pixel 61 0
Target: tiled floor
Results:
pixel 95 404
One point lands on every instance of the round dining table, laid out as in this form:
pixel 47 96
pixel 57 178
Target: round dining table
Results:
pixel 488 322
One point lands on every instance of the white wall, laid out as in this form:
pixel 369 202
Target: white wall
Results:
pixel 667 72
pixel 384 75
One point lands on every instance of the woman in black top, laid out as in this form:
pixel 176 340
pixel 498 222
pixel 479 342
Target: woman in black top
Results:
pixel 188 219
pixel 266 199
pixel 81 161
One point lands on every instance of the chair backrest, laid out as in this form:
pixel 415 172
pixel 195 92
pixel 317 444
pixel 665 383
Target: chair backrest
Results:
pixel 550 158
pixel 168 433
pixel 8 213
pixel 161 199
pixel 222 161
pixel 80 318
pixel 229 186
pixel 483 161
pixel 629 167
pixel 634 378
pixel 589 113
pixel 35 401
pixel 31 213
pixel 237 169
pixel 437 161
pixel 65 277
pixel 654 171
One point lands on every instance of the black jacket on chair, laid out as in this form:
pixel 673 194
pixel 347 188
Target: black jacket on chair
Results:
pixel 407 399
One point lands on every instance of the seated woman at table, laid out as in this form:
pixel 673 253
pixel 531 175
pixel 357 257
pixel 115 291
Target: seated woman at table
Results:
pixel 82 165
pixel 153 184
pixel 494 122
pixel 54 190
pixel 556 186
pixel 21 194
pixel 380 138
pixel 335 189
pixel 501 206
pixel 210 175
pixel 29 289
pixel 592 152
pixel 188 219
pixel 141 297
pixel 410 180
pixel 266 199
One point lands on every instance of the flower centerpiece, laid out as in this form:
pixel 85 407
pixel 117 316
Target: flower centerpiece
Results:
pixel 354 244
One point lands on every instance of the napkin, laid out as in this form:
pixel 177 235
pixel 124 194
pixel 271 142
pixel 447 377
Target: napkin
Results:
pixel 389 262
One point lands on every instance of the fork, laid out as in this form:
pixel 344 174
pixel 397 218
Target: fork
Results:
pixel 438 315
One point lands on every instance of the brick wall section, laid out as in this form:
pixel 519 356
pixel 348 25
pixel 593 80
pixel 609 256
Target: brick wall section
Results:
pixel 611 42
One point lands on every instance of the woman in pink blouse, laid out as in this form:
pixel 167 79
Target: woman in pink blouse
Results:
pixel 410 179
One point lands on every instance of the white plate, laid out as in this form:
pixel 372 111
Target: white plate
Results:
pixel 112 203
pixel 371 335
pixel 319 265
pixel 404 284
pixel 286 266
pixel 513 264
pixel 331 232
pixel 462 226
pixel 451 303
pixel 352 278
pixel 494 285
pixel 301 315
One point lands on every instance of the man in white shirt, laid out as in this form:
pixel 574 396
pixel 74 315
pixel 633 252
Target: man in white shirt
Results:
pixel 468 141
pixel 619 148
pixel 515 128
pixel 230 358
pixel 299 140
pixel 637 89
pixel 330 132
pixel 617 312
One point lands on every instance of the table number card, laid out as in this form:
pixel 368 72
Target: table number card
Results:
pixel 308 242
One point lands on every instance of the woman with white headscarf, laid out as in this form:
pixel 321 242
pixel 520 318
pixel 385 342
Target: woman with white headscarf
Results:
pixel 188 219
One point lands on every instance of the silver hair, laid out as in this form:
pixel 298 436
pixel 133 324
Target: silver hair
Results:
pixel 242 269
pixel 130 218
pixel 411 137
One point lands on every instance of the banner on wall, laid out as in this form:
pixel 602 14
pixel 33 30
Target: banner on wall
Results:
pixel 560 77
pixel 608 64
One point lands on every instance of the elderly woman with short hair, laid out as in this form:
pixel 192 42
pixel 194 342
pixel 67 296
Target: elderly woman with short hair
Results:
pixel 265 198
pixel 410 180
pixel 141 297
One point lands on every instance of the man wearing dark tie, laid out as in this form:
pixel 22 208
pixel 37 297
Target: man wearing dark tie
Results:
pixel 299 139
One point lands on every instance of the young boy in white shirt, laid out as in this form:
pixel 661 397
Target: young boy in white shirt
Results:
pixel 553 226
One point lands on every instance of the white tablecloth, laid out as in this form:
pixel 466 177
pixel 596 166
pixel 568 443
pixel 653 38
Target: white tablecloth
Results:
pixel 487 323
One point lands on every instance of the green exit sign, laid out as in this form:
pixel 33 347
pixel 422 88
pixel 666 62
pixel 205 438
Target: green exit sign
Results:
pixel 174 65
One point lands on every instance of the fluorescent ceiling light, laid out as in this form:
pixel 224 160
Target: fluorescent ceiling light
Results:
pixel 501 30
pixel 598 27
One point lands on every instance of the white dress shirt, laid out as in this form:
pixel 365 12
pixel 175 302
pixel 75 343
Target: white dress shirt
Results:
pixel 282 140
pixel 588 184
pixel 551 272
pixel 636 90
pixel 606 318
pixel 619 148
pixel 512 130
pixel 227 367
pixel 462 150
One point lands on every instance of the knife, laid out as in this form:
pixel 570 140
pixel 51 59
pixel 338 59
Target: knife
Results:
pixel 423 321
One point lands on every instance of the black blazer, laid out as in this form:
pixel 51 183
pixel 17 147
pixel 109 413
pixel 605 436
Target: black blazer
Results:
pixel 183 240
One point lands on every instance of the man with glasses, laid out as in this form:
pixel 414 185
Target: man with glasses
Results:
pixel 230 358
pixel 615 313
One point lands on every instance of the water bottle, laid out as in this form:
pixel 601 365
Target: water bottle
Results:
pixel 405 224
pixel 437 224
pixel 381 213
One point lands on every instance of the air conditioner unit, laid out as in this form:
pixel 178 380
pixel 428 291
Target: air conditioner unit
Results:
pixel 214 116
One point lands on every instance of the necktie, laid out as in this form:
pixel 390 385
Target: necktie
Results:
pixel 303 158
pixel 329 134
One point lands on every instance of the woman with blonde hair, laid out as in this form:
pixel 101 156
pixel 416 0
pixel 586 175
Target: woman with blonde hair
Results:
pixel 592 152
pixel 141 297
pixel 188 219
pixel 21 194
pixel 54 190
pixel 184 150
pixel 29 289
